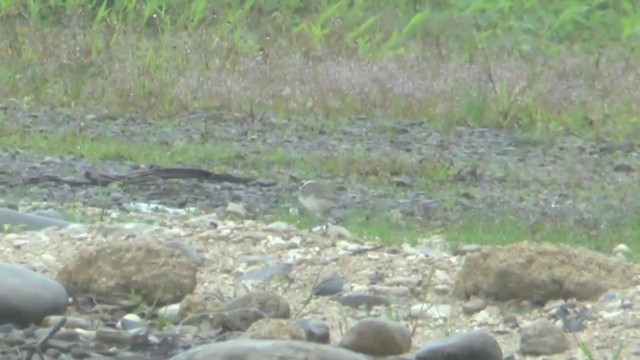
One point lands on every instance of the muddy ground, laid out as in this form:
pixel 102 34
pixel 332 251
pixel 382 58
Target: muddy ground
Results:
pixel 485 172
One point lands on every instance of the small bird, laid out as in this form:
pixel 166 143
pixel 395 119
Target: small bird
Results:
pixel 316 197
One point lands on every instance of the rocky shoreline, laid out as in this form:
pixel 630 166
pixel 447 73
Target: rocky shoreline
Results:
pixel 177 286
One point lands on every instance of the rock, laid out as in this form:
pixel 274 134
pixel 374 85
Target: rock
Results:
pixel 169 312
pixel 476 344
pixel 377 337
pixel 473 306
pixel 315 330
pixel 114 337
pixel 357 301
pixel 10 219
pixel 540 273
pixel 275 329
pixel 438 312
pixel 27 296
pixel 273 305
pixel 442 289
pixel 242 319
pixel 542 338
pixel 159 274
pixel 198 303
pixel 247 349
pixel 131 322
pixel 329 285
pixel 236 209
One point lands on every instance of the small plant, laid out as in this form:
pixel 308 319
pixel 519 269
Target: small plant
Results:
pixel 586 350
pixel 14 228
pixel 106 198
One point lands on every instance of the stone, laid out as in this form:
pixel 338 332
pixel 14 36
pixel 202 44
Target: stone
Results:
pixel 273 305
pixel 157 273
pixel 315 330
pixel 367 301
pixel 542 338
pixel 198 303
pixel 473 306
pixel 27 297
pixel 377 337
pixel 438 312
pixel 242 319
pixel 20 221
pixel 249 349
pixel 275 329
pixel 329 285
pixel 475 344
pixel 541 272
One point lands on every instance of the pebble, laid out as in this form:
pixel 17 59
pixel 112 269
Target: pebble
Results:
pixel 330 285
pixel 435 312
pixel 315 330
pixel 542 338
pixel 28 297
pixel 273 305
pixel 367 301
pixel 475 344
pixel 377 337
pixel 241 319
pixel 473 306
pixel 443 289
pixel 169 312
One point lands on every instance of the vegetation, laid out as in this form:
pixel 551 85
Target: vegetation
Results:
pixel 539 68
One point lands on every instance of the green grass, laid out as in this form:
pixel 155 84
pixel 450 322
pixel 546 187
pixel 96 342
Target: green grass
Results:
pixel 540 69
pixel 506 229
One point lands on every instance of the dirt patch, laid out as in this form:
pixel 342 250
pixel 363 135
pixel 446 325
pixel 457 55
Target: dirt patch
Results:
pixel 540 273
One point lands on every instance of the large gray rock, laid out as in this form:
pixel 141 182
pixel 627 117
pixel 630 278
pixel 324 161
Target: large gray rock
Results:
pixel 26 297
pixel 476 344
pixel 247 349
pixel 27 222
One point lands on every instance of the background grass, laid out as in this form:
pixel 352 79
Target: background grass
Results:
pixel 541 66
pixel 541 69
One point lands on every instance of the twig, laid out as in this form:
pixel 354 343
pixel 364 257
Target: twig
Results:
pixel 40 346
pixel 308 299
